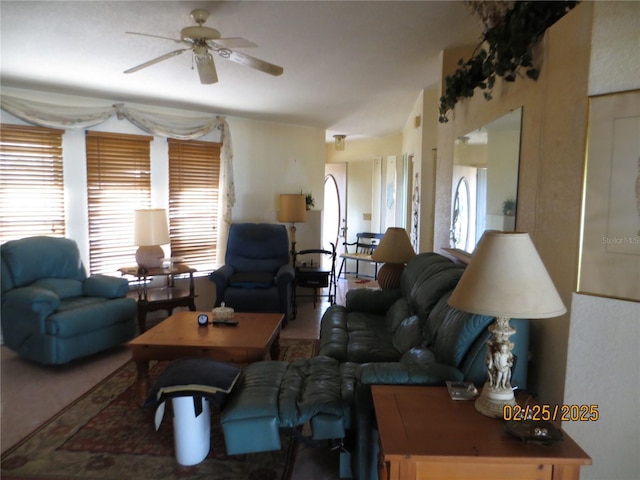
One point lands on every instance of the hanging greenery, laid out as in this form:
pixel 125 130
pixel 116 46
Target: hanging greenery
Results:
pixel 512 30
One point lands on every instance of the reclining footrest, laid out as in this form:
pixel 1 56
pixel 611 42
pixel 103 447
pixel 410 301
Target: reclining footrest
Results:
pixel 271 395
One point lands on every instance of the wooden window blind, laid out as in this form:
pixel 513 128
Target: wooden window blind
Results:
pixel 194 174
pixel 118 182
pixel 31 182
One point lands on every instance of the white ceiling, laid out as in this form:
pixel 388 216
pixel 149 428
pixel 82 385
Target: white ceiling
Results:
pixel 355 68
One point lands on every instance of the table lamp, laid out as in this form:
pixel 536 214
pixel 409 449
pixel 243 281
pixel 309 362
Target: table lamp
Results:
pixel 505 279
pixel 394 251
pixel 293 208
pixel 151 231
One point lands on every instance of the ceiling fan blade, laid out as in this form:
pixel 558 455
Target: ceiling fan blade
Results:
pixel 231 42
pixel 157 60
pixel 206 68
pixel 252 62
pixel 176 40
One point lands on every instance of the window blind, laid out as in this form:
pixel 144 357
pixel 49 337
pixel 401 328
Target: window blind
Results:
pixel 118 182
pixel 194 174
pixel 31 182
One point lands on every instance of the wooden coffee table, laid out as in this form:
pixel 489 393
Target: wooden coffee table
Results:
pixel 179 336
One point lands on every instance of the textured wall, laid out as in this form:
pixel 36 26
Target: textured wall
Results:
pixel 550 181
pixel 603 360
pixel 603 368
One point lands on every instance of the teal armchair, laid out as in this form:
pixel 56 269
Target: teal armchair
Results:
pixel 52 312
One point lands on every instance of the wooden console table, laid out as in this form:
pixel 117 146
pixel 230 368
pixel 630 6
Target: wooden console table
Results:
pixel 427 436
pixel 166 297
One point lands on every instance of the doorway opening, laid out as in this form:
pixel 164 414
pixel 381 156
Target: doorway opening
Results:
pixel 332 212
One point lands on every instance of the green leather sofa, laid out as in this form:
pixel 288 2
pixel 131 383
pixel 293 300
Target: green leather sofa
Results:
pixel 52 312
pixel 409 336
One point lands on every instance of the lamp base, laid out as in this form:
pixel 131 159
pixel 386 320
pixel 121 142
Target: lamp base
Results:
pixel 389 275
pixel 497 391
pixel 149 256
pixel 292 237
pixel 491 402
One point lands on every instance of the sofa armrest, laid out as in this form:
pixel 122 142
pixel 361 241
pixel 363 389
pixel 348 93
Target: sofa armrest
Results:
pixel 105 286
pixel 222 274
pixel 368 300
pixel 334 336
pixel 31 305
pixel 285 275
pixel 34 299
pixel 221 278
pixel 398 373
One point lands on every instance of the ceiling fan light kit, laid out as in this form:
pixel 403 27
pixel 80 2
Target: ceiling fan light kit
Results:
pixel 202 40
pixel 206 68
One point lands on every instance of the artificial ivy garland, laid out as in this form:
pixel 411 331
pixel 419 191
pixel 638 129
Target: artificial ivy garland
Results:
pixel 512 29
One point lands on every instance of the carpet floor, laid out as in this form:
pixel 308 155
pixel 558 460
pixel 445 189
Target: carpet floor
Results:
pixel 105 435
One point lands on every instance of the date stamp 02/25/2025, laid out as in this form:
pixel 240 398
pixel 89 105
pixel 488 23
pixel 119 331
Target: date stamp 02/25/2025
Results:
pixel 551 413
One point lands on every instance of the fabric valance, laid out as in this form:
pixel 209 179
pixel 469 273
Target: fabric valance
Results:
pixel 159 124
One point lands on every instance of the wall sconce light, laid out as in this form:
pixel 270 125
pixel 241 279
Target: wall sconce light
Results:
pixel 339 141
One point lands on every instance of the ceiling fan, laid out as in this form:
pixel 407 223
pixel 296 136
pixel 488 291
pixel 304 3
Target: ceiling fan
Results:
pixel 201 40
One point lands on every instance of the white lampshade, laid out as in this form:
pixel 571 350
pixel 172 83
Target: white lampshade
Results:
pixel 151 227
pixel 506 277
pixel 293 208
pixel 395 247
pixel 151 231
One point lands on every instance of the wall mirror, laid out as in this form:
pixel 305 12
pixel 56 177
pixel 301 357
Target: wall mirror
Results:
pixel 485 181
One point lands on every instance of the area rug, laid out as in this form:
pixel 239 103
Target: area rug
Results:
pixel 105 435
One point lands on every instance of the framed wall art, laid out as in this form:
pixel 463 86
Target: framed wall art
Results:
pixel 610 237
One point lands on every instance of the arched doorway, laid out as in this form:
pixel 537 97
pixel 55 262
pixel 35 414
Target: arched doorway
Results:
pixel 332 212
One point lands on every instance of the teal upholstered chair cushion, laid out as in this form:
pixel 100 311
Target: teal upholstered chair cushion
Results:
pixel 105 286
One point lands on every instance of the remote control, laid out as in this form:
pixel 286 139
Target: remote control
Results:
pixel 233 323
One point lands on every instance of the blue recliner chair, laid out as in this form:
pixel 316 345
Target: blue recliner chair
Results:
pixel 51 311
pixel 257 275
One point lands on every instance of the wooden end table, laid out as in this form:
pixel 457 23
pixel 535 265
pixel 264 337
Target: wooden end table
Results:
pixel 166 297
pixel 256 336
pixel 427 436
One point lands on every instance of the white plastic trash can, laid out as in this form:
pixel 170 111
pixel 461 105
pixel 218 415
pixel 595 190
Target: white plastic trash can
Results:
pixel 192 435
